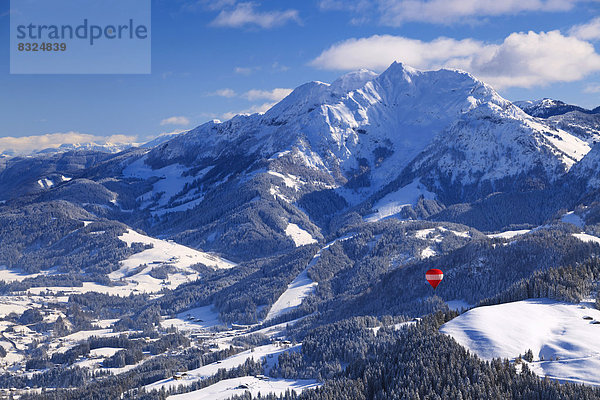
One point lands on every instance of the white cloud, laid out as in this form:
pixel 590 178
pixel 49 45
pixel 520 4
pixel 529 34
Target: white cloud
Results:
pixel 275 95
pixel 211 5
pixel 589 31
pixel 592 88
pixel 229 93
pixel 243 70
pixel 260 108
pixel 276 66
pixel 29 144
pixel 245 14
pixel 522 60
pixel 178 120
pixel 398 12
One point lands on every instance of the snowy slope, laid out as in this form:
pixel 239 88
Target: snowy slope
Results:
pixel 271 351
pixel 393 203
pixel 297 291
pixel 299 235
pixel 300 288
pixel 136 269
pixel 583 125
pixel 588 170
pixel 195 319
pixel 238 386
pixel 549 328
pixel 587 238
pixel 496 147
pixel 508 234
pixel 359 121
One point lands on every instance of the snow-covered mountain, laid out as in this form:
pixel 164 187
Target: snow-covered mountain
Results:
pixel 364 140
pixel 360 130
pixel 546 108
pixel 588 170
pixel 356 134
pixel 576 120
pixel 89 146
pixel 496 148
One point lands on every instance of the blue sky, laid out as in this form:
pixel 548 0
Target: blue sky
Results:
pixel 212 59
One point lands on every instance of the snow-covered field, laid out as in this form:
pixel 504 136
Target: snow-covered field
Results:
pixel 269 352
pixel 299 235
pixel 394 202
pixel 509 234
pixel 458 305
pixel 171 182
pixel 238 386
pixel 195 319
pixel 163 252
pixel 587 238
pixel 12 275
pixel 562 336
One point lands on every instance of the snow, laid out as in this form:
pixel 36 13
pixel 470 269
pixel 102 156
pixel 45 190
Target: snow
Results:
pixel 17 304
pixel 549 328
pixel 573 148
pixel 171 252
pixel 465 234
pixel 84 335
pixel 428 252
pixel 163 252
pixel 296 292
pixel 300 288
pixel 587 238
pixel 276 192
pixel 424 233
pixel 509 234
pixel 289 180
pixel 104 352
pixel 458 305
pixel 573 218
pixel 45 183
pixel 396 327
pixel 13 275
pixel 270 352
pixel 171 183
pixel 230 387
pixel 194 319
pixel 299 235
pixel 394 202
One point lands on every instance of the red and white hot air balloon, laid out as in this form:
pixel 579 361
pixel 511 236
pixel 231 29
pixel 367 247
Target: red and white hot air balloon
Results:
pixel 434 277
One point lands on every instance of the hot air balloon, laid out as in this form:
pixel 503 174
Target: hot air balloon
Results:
pixel 434 277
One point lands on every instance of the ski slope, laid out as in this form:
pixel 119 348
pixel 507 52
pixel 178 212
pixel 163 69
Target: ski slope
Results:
pixel 549 328
pixel 300 288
